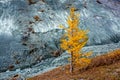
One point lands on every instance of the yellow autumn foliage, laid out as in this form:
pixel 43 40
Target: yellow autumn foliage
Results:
pixel 74 40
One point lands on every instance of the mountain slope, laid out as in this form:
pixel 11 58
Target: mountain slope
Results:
pixel 104 67
pixel 29 30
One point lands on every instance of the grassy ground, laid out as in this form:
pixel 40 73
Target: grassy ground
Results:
pixel 105 67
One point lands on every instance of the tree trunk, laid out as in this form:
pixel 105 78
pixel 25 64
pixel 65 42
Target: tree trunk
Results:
pixel 71 63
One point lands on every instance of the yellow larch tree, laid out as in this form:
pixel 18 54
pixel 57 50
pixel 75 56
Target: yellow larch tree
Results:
pixel 74 40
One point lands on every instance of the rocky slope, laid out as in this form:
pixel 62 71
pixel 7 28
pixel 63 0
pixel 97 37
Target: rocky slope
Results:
pixel 29 31
pixel 51 63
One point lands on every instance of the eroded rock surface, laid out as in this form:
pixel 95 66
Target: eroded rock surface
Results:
pixel 29 31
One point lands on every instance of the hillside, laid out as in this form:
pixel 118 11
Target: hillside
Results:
pixel 104 67
pixel 30 29
pixel 30 36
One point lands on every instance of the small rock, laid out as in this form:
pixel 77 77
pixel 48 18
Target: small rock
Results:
pixel 17 77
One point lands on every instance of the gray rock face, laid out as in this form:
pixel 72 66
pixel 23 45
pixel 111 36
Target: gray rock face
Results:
pixel 33 52
pixel 29 32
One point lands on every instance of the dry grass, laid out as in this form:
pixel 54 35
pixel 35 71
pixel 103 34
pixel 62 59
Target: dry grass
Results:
pixel 105 59
pixel 105 67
